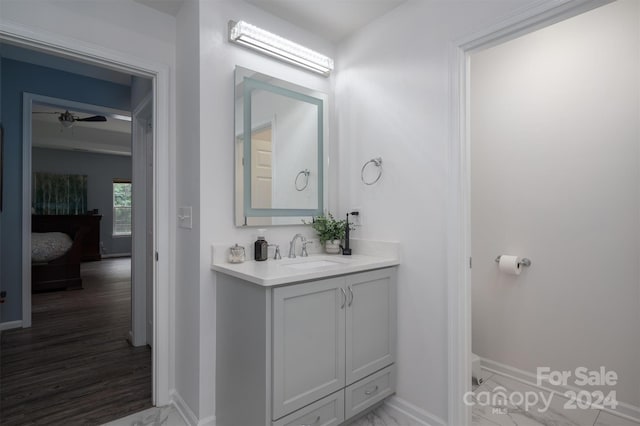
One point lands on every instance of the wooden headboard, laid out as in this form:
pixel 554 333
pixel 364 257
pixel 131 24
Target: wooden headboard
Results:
pixel 70 224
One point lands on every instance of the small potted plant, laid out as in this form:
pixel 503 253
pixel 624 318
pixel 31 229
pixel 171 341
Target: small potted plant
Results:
pixel 330 232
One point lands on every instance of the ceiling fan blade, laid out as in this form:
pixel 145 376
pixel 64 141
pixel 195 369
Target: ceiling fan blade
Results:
pixel 45 112
pixel 93 118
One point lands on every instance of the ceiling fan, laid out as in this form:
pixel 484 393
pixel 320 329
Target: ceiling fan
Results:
pixel 67 119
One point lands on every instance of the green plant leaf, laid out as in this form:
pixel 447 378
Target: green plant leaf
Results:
pixel 328 228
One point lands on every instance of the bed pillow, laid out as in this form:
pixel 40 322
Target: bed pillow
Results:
pixel 48 246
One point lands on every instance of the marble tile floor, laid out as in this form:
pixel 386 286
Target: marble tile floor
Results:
pixel 510 415
pixel 169 416
pixel 380 416
pixel 156 416
pixel 536 415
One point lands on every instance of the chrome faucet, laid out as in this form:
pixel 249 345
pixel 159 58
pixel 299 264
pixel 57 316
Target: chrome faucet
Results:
pixel 292 245
pixel 276 254
pixel 304 247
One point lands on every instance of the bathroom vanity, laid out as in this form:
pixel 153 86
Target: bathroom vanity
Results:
pixel 306 341
pixel 309 341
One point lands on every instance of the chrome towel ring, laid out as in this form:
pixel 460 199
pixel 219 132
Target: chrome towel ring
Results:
pixel 306 174
pixel 378 163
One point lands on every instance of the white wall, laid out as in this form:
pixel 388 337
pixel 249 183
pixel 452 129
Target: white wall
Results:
pixel 187 339
pixel 119 25
pixel 392 101
pixel 556 177
pixel 212 152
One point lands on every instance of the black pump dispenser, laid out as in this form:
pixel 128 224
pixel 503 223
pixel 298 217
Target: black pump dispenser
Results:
pixel 346 251
pixel 260 247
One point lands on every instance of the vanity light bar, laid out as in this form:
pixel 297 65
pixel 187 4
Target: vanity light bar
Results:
pixel 256 38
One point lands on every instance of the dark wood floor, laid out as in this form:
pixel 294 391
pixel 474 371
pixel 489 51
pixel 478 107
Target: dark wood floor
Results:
pixel 74 365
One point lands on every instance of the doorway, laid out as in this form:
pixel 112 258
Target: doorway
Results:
pixel 554 173
pixel 128 228
pixel 81 156
pixel 459 239
pixel 159 76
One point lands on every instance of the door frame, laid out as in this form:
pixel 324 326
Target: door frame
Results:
pixel 159 73
pixel 534 17
pixel 28 99
pixel 141 119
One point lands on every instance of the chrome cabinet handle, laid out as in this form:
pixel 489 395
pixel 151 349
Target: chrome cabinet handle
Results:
pixel 369 392
pixel 351 293
pixel 344 295
pixel 311 424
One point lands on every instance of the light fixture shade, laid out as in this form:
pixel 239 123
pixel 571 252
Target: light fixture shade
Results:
pixel 251 36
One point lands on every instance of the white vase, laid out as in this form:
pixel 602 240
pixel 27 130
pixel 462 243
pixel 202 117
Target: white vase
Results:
pixel 332 247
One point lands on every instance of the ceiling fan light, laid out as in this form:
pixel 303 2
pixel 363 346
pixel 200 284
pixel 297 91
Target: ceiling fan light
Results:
pixel 66 123
pixel 66 119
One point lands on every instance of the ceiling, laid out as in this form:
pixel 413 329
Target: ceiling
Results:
pixel 50 114
pixel 110 137
pixel 333 20
pixel 167 6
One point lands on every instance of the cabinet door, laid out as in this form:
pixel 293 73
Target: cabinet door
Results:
pixel 371 323
pixel 308 343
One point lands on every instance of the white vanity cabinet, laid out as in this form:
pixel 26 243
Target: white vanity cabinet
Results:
pixel 371 323
pixel 308 343
pixel 311 353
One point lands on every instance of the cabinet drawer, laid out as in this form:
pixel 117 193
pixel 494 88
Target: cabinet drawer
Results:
pixel 370 390
pixel 328 411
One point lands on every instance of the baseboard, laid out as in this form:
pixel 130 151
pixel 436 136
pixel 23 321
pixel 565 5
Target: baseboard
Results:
pixel 208 421
pixel 187 413
pixel 628 411
pixel 114 255
pixel 408 414
pixel 8 325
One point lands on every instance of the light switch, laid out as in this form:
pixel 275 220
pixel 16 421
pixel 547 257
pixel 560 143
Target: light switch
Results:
pixel 184 217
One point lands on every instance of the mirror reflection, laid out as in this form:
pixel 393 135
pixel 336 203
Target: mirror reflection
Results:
pixel 279 145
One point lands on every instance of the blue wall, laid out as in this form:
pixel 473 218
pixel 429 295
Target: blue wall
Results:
pixel 1 185
pixel 100 170
pixel 17 78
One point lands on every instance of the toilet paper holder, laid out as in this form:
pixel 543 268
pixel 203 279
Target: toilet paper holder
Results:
pixel 523 262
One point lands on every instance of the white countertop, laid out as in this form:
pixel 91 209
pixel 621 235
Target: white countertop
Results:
pixel 285 271
pixel 315 266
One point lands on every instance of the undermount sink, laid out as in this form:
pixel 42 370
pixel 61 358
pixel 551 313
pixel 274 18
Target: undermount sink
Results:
pixel 312 264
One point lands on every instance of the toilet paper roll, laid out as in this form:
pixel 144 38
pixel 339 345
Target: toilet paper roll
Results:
pixel 509 265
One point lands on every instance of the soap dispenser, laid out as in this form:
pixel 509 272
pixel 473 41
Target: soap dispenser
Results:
pixel 261 247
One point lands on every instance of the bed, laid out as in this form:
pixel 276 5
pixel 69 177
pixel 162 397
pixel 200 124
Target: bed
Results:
pixel 55 257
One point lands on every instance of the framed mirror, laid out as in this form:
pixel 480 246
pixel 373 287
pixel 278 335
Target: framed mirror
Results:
pixel 280 156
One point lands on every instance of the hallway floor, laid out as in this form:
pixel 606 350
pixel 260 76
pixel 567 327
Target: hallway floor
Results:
pixel 74 365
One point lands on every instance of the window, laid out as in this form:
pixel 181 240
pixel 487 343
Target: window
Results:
pixel 121 207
